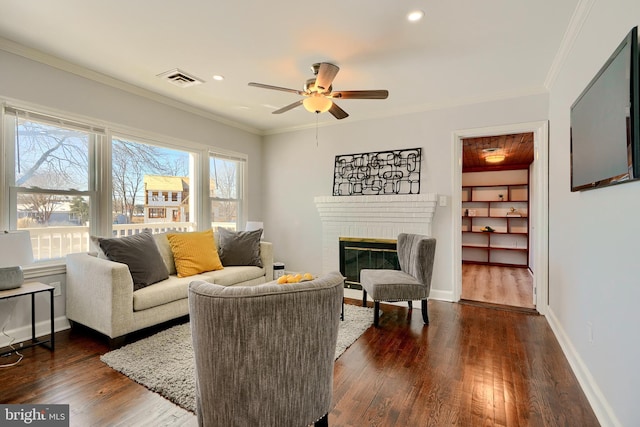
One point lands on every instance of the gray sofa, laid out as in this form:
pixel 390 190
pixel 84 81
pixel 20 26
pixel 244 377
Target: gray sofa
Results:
pixel 100 293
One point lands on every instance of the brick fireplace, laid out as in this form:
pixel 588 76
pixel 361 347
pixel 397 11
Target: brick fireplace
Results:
pixel 375 217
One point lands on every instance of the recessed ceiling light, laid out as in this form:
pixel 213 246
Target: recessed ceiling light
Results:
pixel 494 158
pixel 416 15
pixel 218 77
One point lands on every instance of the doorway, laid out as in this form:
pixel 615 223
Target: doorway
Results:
pixel 496 238
pixel 505 275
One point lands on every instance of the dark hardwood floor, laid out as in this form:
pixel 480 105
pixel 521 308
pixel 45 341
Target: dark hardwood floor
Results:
pixel 472 366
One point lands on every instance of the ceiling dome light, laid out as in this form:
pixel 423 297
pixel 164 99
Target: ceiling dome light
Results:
pixel 494 158
pixel 218 77
pixel 415 16
pixel 317 103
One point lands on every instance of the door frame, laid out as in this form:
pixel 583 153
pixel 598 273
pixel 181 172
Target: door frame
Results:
pixel 539 204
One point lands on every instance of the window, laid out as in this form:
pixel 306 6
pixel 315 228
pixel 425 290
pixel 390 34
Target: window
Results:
pixel 157 213
pixel 64 180
pixel 226 191
pixel 144 175
pixel 50 166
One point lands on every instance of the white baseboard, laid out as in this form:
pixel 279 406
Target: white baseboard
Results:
pixel 23 333
pixel 596 398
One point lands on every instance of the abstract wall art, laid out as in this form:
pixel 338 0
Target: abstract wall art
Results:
pixel 376 173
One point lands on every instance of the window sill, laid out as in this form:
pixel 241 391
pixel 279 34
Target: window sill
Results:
pixel 43 269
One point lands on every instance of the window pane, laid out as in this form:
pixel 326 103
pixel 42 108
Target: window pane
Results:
pixel 51 157
pixel 224 214
pixel 150 186
pixel 57 223
pixel 224 178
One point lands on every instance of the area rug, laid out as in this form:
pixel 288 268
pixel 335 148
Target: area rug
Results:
pixel 163 363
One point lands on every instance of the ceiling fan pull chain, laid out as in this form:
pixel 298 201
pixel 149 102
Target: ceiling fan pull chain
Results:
pixel 317 117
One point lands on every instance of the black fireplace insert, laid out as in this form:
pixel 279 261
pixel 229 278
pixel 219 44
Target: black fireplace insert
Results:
pixel 357 253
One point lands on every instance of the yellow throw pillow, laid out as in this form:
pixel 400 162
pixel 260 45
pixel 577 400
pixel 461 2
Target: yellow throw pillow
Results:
pixel 194 252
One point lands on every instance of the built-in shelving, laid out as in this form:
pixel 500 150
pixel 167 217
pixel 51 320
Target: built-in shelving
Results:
pixel 505 210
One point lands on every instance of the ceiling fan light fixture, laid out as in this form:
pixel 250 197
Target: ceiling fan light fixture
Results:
pixel 494 158
pixel 317 103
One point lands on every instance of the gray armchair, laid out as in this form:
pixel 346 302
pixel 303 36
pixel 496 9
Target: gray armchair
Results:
pixel 411 282
pixel 264 354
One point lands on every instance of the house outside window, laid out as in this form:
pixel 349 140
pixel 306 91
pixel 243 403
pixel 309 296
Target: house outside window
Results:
pixel 144 177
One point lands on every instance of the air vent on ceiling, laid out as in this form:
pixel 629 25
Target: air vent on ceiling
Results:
pixel 180 78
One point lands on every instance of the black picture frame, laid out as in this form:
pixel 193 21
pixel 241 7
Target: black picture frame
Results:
pixel 378 173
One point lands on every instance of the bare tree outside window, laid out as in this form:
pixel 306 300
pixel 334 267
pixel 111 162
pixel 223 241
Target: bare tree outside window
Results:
pixel 51 152
pixel 50 183
pixel 224 191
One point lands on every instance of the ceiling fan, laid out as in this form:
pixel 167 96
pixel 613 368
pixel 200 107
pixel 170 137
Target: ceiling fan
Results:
pixel 319 94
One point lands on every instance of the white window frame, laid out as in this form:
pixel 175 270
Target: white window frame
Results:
pixel 100 184
pixel 196 158
pixel 241 198
pixel 9 116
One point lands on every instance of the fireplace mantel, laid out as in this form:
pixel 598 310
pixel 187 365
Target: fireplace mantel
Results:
pixel 371 216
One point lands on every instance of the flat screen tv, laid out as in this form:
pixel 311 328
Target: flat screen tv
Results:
pixel 605 122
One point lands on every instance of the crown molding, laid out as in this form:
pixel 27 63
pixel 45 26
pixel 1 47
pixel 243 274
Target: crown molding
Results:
pixel 579 17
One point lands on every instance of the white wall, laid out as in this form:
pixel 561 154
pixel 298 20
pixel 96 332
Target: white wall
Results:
pixel 297 170
pixel 593 235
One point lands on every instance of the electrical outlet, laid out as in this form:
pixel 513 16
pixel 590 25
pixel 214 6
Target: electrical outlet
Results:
pixel 442 200
pixel 57 291
pixel 590 332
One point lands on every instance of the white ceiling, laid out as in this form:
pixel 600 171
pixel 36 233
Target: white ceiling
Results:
pixel 462 51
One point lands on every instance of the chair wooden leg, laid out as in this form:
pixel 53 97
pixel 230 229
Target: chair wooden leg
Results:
pixel 376 313
pixel 364 298
pixel 425 312
pixel 410 304
pixel 322 422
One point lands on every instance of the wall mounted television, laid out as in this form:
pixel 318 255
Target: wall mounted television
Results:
pixel 605 122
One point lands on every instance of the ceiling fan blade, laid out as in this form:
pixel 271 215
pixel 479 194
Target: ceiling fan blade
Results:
pixel 283 89
pixel 338 112
pixel 360 94
pixel 326 73
pixel 288 107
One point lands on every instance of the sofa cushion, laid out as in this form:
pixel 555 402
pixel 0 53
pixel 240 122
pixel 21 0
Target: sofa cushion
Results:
pixel 194 252
pixel 176 288
pixel 165 250
pixel 141 255
pixel 239 247
pixel 172 289
pixel 234 275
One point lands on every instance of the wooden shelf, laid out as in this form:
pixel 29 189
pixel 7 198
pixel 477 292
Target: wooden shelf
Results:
pixel 508 244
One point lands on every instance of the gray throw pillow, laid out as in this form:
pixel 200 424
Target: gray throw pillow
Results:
pixel 141 254
pixel 165 251
pixel 239 247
